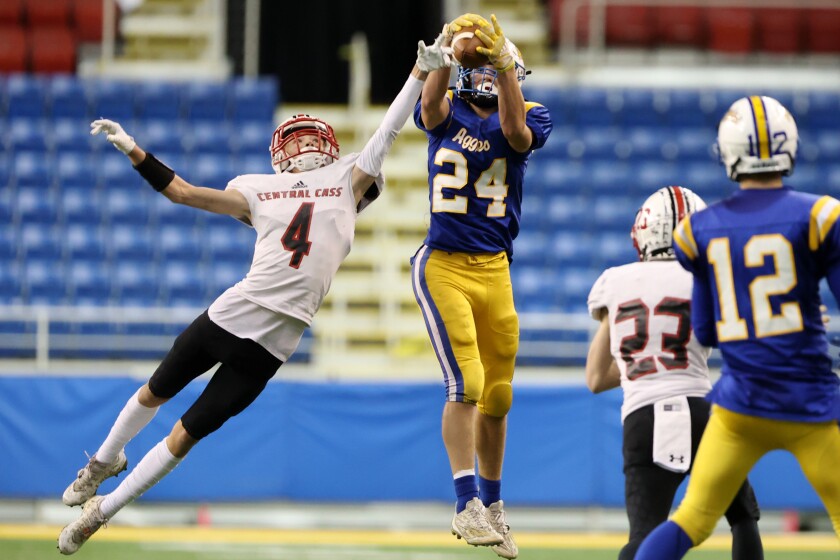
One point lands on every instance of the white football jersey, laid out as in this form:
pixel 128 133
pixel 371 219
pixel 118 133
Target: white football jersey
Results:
pixel 651 339
pixel 305 225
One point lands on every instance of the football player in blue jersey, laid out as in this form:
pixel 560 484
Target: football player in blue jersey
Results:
pixel 757 258
pixel 481 135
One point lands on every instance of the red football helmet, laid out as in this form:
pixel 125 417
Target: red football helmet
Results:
pixel 304 143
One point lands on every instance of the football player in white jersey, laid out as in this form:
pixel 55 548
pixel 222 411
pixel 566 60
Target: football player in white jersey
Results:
pixel 645 345
pixel 305 218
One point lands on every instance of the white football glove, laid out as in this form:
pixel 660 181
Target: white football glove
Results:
pixel 115 134
pixel 434 56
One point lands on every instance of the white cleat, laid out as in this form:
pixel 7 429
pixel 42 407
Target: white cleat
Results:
pixel 496 516
pixel 76 534
pixel 90 477
pixel 472 526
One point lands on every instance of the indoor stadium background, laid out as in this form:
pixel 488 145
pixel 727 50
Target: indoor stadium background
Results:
pixel 98 273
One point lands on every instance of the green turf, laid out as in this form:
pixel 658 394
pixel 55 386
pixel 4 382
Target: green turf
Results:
pixel 107 550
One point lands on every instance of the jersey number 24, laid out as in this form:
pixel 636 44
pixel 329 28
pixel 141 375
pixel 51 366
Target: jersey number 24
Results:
pixel 490 184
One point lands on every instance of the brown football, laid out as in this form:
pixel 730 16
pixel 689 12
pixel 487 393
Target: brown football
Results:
pixel 464 44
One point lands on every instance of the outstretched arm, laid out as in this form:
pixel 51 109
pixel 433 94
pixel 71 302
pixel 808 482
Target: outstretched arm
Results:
pixel 602 372
pixel 164 180
pixel 369 164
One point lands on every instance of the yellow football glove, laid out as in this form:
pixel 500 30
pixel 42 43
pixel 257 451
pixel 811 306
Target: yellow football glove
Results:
pixel 464 20
pixel 495 46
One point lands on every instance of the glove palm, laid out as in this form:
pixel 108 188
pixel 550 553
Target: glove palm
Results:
pixel 460 22
pixel 434 56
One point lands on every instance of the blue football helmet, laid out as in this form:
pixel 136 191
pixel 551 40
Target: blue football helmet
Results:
pixel 478 85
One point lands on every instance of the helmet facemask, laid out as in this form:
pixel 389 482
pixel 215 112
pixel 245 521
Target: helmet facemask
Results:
pixel 303 143
pixel 478 85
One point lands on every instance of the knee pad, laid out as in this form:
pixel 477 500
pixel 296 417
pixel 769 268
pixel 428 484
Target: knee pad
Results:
pixel 497 400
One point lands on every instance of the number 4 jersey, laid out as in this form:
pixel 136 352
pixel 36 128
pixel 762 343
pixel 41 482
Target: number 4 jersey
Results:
pixel 305 226
pixel 757 259
pixel 649 307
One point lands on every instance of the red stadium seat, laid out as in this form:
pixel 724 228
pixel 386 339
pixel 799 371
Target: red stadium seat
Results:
pixel 680 26
pixel 52 50
pixel 779 30
pixel 629 26
pixel 581 26
pixel 11 12
pixel 822 31
pixel 47 12
pixel 87 15
pixel 12 49
pixel 731 30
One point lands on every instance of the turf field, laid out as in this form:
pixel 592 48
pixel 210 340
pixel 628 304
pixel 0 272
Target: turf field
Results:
pixel 34 542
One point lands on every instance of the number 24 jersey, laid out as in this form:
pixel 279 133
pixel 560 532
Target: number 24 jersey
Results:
pixel 757 258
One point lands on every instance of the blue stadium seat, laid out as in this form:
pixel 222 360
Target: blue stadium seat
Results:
pixel 76 170
pixel 26 96
pixel 212 138
pixel 534 287
pixel 695 144
pixel 68 98
pixel 9 243
pixel 35 206
pixel 179 242
pixel 212 170
pixel 831 177
pixel 254 100
pixel 232 242
pixel 223 275
pixel 613 213
pixel 651 176
pixel 642 143
pixel 252 138
pixel 529 247
pixel 808 177
pixel 557 176
pixel 5 172
pixel 71 137
pixel 7 206
pixel 609 176
pixel 692 108
pixel 159 100
pixel 11 284
pixel 595 106
pixel 559 101
pixel 558 143
pixel 90 281
pixel 83 205
pixel 707 180
pixel 822 111
pixel 576 284
pixel 85 242
pixel 29 135
pixel 615 249
pixel 259 163
pixel 135 243
pixel 161 135
pixel 166 212
pixel 135 283
pixel 571 248
pixel 209 101
pixel 643 107
pixel 600 142
pixel 45 282
pixel 40 241
pixel 115 171
pixel 184 284
pixel 112 99
pixel 566 211
pixel 127 207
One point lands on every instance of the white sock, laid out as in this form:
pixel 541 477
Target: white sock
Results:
pixel 465 472
pixel 133 418
pixel 156 464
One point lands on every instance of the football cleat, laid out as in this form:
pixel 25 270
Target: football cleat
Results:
pixel 74 535
pixel 90 477
pixel 496 516
pixel 472 525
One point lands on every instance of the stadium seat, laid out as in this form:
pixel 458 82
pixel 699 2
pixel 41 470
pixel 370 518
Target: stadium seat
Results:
pixel 165 212
pixel 123 206
pixel 630 26
pixel 29 135
pixel 259 163
pixel 81 205
pixel 616 248
pixel 599 141
pixel 212 170
pixel 135 283
pixel 534 288
pixel 207 101
pixel 11 12
pixel 222 276
pixel 571 248
pixel 52 50
pixel 779 30
pixel 89 281
pixel 184 284
pixel 529 247
pixel 731 30
pixel 610 176
pixel 576 283
pixel 643 107
pixel 593 107
pixel 180 243
pixel 48 12
pixel 33 170
pixel 72 137
pixel 9 243
pixel 116 172
pixel 75 169
pixel 642 142
pixel 5 173
pixel 557 176
pixel 27 97
pixel 231 242
pixel 45 282
pixel 651 176
pixel 254 99
pixel 695 144
pixel 161 135
pixel 707 180
pixel 159 100
pixel 11 284
pixel 68 98
pixel 87 17
pixel 693 108
pixel 85 242
pixel 680 26
pixel 214 138
pixel 822 111
pixel 34 206
pixel 253 139
pixel 14 56
pixel 112 99
pixel 821 34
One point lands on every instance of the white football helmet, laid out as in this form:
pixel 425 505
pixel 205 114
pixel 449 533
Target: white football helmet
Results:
pixel 478 85
pixel 653 230
pixel 314 141
pixel 757 135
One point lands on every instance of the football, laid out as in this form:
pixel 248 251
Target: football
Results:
pixel 464 44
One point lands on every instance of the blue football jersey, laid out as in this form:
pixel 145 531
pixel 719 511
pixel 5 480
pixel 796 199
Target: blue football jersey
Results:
pixel 475 178
pixel 757 259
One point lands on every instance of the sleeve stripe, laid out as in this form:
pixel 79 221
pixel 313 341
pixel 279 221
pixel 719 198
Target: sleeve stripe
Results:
pixel 824 214
pixel 531 104
pixel 684 237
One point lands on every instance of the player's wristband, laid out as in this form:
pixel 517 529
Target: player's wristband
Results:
pixel 157 174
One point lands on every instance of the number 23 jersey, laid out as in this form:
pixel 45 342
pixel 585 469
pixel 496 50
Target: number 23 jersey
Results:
pixel 475 178
pixel 649 307
pixel 305 225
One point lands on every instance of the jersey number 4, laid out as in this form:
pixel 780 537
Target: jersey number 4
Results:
pixel 490 184
pixel 672 343
pixel 296 236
